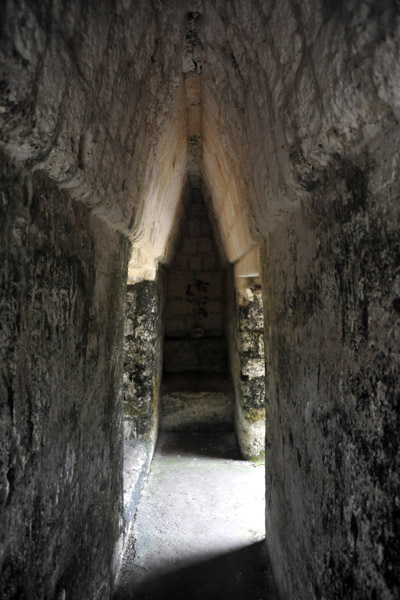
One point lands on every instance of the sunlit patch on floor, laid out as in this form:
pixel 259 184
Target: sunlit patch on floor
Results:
pixel 199 528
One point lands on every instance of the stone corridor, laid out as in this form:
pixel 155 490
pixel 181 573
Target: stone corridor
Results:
pixel 199 531
pixel 199 229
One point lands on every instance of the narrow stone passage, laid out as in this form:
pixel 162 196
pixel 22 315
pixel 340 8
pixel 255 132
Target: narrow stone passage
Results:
pixel 199 529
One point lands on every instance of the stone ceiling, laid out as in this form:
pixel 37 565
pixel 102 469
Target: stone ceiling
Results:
pixel 195 160
pixel 129 104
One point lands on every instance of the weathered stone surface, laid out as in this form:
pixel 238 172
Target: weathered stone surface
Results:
pixel 247 364
pixel 137 459
pixel 332 346
pixel 92 93
pixel 125 109
pixel 313 130
pixel 299 116
pixel 283 80
pixel 62 280
pixel 197 411
pixel 250 385
pixel 141 385
pixel 143 359
pixel 251 350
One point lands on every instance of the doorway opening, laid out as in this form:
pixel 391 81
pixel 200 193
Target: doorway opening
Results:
pixel 197 390
pixel 194 368
pixel 194 354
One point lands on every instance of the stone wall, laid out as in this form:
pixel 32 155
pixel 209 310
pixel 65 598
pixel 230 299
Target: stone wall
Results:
pixel 245 326
pixel 250 384
pixel 331 277
pixel 302 100
pixel 299 123
pixel 141 385
pixel 194 321
pixel 91 93
pixel 62 274
pixel 143 359
pixel 286 79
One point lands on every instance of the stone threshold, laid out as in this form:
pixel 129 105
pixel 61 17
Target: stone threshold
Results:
pixel 137 459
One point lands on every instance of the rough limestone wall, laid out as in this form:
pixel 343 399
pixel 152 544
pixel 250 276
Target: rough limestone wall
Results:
pixel 250 415
pixel 143 359
pixel 332 309
pixel 306 104
pixel 88 91
pixel 62 301
pixel 245 333
pixel 293 78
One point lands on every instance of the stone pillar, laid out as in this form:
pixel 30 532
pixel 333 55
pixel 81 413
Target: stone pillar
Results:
pixel 250 382
pixel 143 360
pixel 141 385
pixel 247 363
pixel 250 409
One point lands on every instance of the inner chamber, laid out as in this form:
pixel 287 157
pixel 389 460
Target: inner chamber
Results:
pixel 196 391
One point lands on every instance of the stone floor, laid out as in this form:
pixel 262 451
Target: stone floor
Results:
pixel 199 529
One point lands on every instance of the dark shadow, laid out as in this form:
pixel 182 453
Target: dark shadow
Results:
pixel 201 444
pixel 242 574
pixel 197 382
